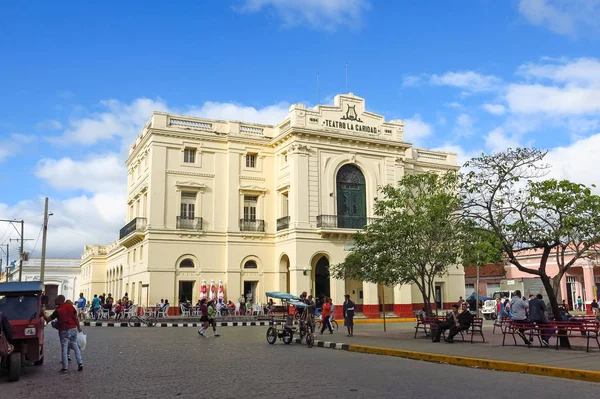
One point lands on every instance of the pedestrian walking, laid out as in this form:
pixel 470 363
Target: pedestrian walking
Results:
pixel 81 302
pixel 579 304
pixel 594 306
pixel 349 315
pixel 326 323
pixel 212 311
pixel 332 316
pixel 67 326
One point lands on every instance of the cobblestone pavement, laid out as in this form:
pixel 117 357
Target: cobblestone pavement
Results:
pixel 177 363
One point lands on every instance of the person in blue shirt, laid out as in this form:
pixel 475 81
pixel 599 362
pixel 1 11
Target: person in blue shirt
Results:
pixel 81 302
pixel 95 306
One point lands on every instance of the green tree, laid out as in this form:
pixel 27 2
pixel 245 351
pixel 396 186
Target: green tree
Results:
pixel 504 194
pixel 416 239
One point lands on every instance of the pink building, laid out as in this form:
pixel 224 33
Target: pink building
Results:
pixel 582 279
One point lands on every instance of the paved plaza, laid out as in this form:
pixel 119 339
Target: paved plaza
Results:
pixel 176 363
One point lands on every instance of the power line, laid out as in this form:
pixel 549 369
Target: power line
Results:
pixel 36 241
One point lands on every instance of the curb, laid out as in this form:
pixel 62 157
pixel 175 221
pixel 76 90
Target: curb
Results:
pixel 392 320
pixel 219 324
pixel 486 364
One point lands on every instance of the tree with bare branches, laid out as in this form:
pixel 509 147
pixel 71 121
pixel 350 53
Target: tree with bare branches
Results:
pixel 505 194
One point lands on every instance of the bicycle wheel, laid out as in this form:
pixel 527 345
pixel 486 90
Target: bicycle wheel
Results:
pixel 335 325
pixel 310 340
pixel 318 324
pixel 271 335
pixel 151 321
pixel 135 321
pixel 288 336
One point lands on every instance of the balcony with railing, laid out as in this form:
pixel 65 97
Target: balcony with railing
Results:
pixel 187 223
pixel 326 222
pixel 283 223
pixel 133 232
pixel 252 225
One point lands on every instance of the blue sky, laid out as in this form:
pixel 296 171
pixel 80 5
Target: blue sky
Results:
pixel 79 79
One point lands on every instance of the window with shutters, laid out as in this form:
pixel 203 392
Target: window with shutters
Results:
pixel 250 203
pixel 188 205
pixel 251 160
pixel 189 155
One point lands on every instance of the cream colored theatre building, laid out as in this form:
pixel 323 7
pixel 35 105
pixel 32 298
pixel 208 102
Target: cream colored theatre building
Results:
pixel 259 207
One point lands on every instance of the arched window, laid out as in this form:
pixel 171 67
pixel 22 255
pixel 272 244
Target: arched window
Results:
pixel 250 265
pixel 351 198
pixel 186 263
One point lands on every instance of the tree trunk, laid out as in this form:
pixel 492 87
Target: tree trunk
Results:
pixel 426 301
pixel 552 298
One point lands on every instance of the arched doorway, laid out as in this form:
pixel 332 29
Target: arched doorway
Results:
pixel 284 273
pixel 351 198
pixel 321 281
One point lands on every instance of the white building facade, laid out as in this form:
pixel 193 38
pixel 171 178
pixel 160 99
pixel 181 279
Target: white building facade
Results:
pixel 61 276
pixel 258 207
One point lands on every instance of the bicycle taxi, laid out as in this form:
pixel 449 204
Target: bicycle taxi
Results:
pixel 284 327
pixel 21 303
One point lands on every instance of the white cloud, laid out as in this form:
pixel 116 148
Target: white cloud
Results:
pixel 11 146
pixel 577 162
pixel 464 126
pixel 580 72
pixel 415 130
pixel 453 105
pixel 49 124
pixel 469 81
pixel 497 140
pixel 565 17
pixel 271 114
pixel 552 99
pixel 462 155
pixel 124 121
pixel 75 222
pixel 319 14
pixel 411 81
pixel 558 88
pixel 494 109
pixel 98 174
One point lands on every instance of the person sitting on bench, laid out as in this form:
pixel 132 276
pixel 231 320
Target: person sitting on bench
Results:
pixel 455 322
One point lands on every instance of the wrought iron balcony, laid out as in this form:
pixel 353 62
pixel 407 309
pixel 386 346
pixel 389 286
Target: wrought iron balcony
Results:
pixel 283 223
pixel 255 225
pixel 343 222
pixel 133 232
pixel 185 223
pixel 137 224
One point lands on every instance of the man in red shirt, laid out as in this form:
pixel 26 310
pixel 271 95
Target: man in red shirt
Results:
pixel 326 315
pixel 67 326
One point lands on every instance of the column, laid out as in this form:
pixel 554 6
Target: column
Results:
pixel 338 290
pixel 588 284
pixel 298 194
pixel 371 300
pixel 403 301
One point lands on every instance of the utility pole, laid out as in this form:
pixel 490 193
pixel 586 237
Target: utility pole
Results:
pixel 21 251
pixel 44 232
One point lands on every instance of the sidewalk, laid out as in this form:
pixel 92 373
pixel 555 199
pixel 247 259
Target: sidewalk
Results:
pixel 399 341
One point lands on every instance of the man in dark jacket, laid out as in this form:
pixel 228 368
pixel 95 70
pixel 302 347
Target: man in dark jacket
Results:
pixel 455 323
pixel 6 329
pixel 537 315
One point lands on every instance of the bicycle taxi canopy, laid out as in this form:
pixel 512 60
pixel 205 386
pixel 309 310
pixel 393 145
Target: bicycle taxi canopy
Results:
pixel 282 296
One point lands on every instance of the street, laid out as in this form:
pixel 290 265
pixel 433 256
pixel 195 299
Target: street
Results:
pixel 177 363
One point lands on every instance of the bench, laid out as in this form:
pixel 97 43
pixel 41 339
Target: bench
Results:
pixel 476 327
pixel 502 323
pixel 554 329
pixel 572 329
pixel 427 324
